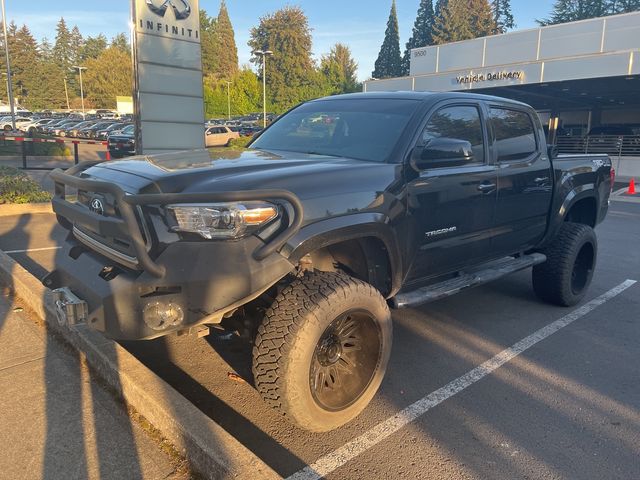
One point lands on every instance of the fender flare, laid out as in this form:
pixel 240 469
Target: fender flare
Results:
pixel 334 230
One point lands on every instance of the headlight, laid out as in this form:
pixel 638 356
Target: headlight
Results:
pixel 222 220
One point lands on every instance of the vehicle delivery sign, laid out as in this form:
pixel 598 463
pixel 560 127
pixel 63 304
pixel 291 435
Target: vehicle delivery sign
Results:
pixel 168 95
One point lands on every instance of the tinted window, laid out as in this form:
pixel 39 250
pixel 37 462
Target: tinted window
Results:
pixel 515 135
pixel 364 129
pixel 459 123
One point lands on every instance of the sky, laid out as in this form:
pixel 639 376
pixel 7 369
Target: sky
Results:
pixel 360 24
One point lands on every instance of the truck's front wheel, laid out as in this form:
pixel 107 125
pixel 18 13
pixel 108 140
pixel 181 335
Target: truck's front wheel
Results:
pixel 322 349
pixel 571 259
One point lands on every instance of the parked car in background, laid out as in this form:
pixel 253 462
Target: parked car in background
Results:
pixel 90 131
pixel 249 131
pixel 104 133
pixel 219 136
pixel 60 130
pixel 123 143
pixel 21 122
pixel 37 125
pixel 607 138
pixel 75 131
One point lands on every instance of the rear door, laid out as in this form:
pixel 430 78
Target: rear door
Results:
pixel 451 208
pixel 525 183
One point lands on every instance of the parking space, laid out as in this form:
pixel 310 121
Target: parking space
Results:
pixel 566 406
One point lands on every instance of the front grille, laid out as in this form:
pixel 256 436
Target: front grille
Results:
pixel 119 249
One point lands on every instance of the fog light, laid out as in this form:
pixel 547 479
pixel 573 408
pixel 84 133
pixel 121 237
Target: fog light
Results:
pixel 160 315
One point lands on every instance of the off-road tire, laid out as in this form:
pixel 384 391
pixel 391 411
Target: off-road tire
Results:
pixel 571 259
pixel 285 355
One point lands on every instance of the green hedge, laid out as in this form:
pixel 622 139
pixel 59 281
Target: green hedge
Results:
pixel 17 187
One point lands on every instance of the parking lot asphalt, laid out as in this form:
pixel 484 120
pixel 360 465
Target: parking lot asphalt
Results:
pixel 567 407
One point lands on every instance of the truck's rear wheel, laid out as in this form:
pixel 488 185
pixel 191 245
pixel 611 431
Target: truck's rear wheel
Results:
pixel 571 259
pixel 322 349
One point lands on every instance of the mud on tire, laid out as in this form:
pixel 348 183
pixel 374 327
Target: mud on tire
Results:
pixel 322 349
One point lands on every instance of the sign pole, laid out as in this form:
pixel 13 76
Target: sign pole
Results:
pixel 9 82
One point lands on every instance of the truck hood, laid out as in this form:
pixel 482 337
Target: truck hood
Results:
pixel 331 185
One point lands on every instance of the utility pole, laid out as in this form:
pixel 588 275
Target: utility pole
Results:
pixel 228 100
pixel 80 69
pixel 66 93
pixel 264 54
pixel 9 83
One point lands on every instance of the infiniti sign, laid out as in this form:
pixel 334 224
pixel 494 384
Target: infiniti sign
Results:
pixel 181 8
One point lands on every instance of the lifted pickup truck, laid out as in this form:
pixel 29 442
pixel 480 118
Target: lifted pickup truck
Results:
pixel 343 208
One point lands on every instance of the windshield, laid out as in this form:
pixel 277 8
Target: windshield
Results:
pixel 364 129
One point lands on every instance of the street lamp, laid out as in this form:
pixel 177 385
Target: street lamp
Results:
pixel 9 85
pixel 80 69
pixel 264 54
pixel 229 99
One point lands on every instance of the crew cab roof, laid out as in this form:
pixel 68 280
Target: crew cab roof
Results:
pixel 431 97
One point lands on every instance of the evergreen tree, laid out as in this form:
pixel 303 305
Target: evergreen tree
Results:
pixel 121 42
pixel 573 10
pixel 224 53
pixel 62 49
pixel 502 16
pixel 623 6
pixel 93 47
pixel 389 62
pixel 422 32
pixel 207 42
pixel 463 20
pixel 291 74
pixel 339 69
pixel 77 44
pixel 45 49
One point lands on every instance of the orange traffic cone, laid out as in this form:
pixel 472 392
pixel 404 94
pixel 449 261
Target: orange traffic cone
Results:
pixel 108 155
pixel 632 187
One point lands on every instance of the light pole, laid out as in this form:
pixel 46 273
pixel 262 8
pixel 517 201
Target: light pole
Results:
pixel 264 54
pixel 229 100
pixel 66 93
pixel 80 69
pixel 9 85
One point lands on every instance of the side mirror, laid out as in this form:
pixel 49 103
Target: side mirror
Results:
pixel 552 151
pixel 442 152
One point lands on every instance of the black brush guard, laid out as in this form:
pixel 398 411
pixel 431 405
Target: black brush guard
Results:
pixel 128 226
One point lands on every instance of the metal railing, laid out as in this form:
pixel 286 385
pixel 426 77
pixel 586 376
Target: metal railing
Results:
pixel 612 145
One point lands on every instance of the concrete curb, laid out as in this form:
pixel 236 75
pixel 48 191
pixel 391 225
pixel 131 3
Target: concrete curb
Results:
pixel 618 196
pixel 8 209
pixel 208 448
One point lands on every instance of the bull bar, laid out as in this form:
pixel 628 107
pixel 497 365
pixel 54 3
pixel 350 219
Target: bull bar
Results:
pixel 128 225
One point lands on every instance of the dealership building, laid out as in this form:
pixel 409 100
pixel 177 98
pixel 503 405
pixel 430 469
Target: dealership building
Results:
pixel 582 77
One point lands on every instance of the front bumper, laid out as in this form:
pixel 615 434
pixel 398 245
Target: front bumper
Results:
pixel 206 279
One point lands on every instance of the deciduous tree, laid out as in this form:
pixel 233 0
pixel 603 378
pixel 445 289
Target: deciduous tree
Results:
pixel 291 73
pixel 107 76
pixel 389 62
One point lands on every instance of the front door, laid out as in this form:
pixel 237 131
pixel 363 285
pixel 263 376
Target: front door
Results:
pixel 451 208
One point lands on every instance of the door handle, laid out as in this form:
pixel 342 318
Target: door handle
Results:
pixel 487 187
pixel 540 180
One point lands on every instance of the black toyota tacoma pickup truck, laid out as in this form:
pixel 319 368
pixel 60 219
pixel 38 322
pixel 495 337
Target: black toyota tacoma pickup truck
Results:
pixel 343 208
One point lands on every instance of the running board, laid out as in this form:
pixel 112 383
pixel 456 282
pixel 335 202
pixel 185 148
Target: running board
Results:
pixel 478 276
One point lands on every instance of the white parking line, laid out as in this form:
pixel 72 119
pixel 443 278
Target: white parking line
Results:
pixel 32 250
pixel 332 461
